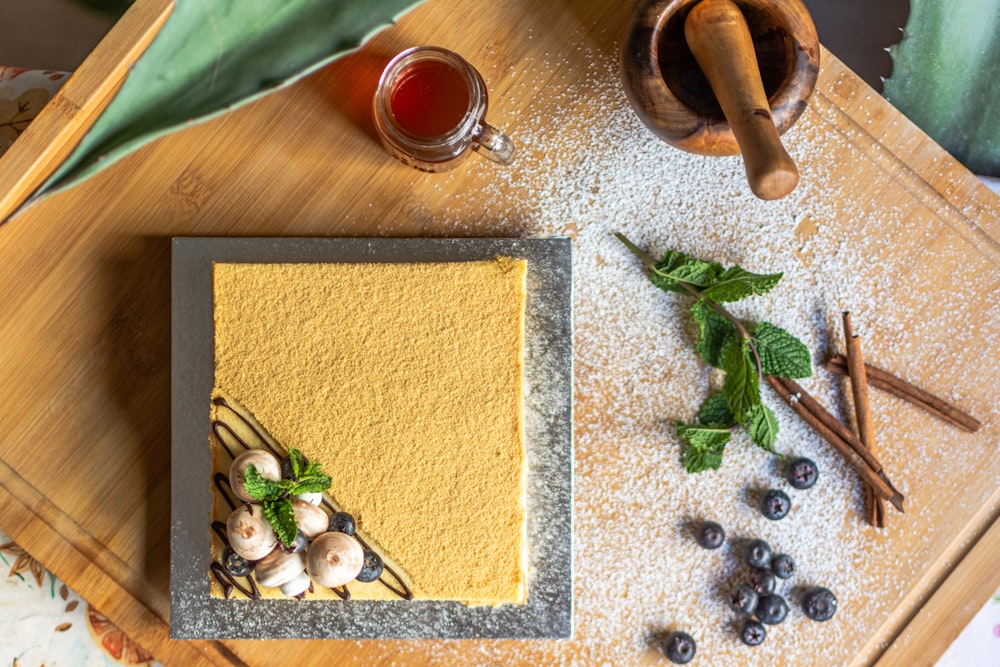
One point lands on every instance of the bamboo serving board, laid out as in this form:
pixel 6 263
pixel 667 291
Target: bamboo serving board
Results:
pixel 85 305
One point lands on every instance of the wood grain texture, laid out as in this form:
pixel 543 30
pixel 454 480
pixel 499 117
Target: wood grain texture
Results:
pixel 97 575
pixel 85 308
pixel 675 100
pixel 959 597
pixel 52 135
pixel 718 36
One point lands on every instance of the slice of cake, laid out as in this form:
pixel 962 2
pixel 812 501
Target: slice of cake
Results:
pixel 404 380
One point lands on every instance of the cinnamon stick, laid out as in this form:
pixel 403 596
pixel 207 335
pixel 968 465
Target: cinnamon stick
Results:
pixel 832 423
pixel 874 506
pixel 868 468
pixel 886 381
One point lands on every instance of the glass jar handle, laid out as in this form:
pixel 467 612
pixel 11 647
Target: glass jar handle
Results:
pixel 493 144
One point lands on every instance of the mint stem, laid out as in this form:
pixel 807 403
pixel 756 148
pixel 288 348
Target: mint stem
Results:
pixel 638 252
pixel 696 293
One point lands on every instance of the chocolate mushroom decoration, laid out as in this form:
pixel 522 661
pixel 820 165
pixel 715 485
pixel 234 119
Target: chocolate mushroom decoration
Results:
pixel 279 568
pixel 250 534
pixel 267 464
pixel 314 497
pixel 311 520
pixel 724 77
pixel 334 559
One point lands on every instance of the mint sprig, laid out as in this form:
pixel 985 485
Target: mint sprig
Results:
pixel 276 495
pixel 281 515
pixel 745 351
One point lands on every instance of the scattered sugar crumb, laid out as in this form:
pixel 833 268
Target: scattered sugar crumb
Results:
pixel 593 170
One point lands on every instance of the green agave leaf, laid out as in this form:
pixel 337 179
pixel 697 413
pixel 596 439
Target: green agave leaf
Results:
pixel 945 77
pixel 212 56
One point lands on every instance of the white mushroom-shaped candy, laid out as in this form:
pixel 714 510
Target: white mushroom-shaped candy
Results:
pixel 297 586
pixel 279 567
pixel 250 534
pixel 314 497
pixel 311 520
pixel 267 464
pixel 334 559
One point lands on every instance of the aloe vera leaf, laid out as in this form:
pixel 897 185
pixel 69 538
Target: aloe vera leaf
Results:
pixel 212 56
pixel 946 78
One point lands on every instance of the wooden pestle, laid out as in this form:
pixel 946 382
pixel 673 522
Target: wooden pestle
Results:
pixel 718 36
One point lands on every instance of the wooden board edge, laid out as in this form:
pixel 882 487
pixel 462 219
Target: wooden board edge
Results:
pixel 933 175
pixel 29 522
pixel 61 124
pixel 933 626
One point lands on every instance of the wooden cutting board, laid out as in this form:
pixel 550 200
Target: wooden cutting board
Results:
pixel 84 311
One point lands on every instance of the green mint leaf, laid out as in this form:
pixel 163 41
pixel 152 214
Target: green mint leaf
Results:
pixel 312 470
pixel 762 426
pixel 724 343
pixel 781 353
pixel 700 460
pixel 309 477
pixel 715 410
pixel 703 445
pixel 676 267
pixel 259 487
pixel 297 461
pixel 702 436
pixel 282 518
pixel 714 331
pixel 312 484
pixel 735 283
pixel 741 386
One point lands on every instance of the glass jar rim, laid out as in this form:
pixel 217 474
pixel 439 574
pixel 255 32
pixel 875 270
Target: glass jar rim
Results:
pixel 474 113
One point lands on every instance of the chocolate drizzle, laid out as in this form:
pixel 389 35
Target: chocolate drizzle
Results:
pixel 224 577
pixel 405 592
pixel 218 424
pixel 220 479
pixel 399 588
pixel 228 582
pixel 220 529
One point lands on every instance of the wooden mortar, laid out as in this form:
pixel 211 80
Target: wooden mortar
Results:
pixel 724 77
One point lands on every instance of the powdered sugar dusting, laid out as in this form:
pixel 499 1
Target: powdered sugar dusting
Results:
pixel 638 572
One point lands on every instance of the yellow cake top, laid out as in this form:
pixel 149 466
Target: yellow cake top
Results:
pixel 404 380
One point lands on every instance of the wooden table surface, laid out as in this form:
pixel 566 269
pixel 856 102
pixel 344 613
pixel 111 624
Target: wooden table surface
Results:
pixel 85 304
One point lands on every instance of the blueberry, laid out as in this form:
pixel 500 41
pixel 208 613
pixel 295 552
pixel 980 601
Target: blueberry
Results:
pixel 342 522
pixel 757 553
pixel 679 647
pixel 301 543
pixel 762 580
pixel 372 569
pixel 235 564
pixel 752 633
pixel 286 467
pixel 771 609
pixel 743 599
pixel 783 566
pixel 819 603
pixel 710 535
pixel 774 504
pixel 801 472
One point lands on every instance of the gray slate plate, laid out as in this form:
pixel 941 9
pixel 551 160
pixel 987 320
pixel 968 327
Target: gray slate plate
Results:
pixel 548 402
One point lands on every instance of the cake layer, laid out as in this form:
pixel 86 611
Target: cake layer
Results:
pixel 404 380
